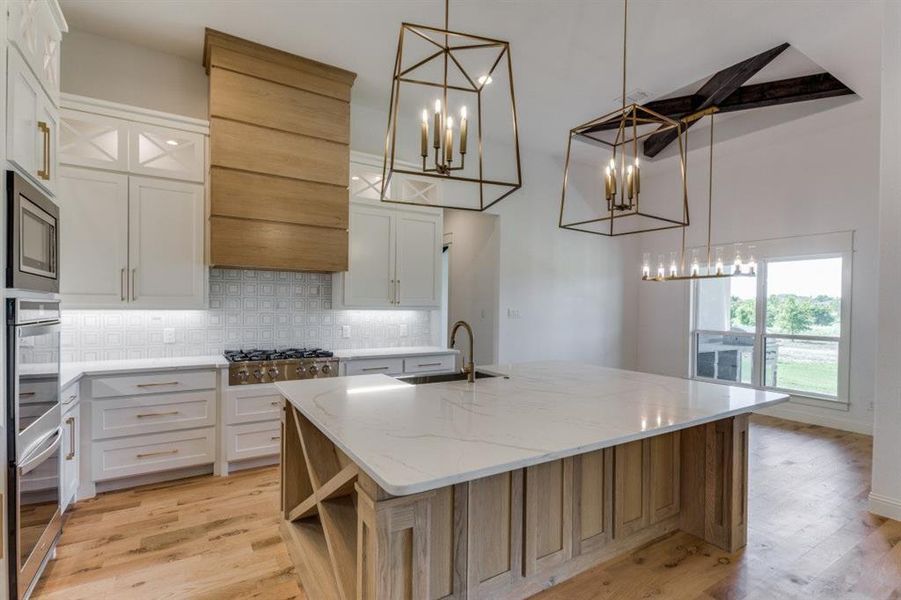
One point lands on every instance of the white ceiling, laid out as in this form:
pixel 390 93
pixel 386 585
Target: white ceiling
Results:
pixel 566 53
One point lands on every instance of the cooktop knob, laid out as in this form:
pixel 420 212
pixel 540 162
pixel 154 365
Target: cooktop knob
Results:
pixel 258 374
pixel 273 372
pixel 243 375
pixel 326 369
pixel 300 370
pixel 313 370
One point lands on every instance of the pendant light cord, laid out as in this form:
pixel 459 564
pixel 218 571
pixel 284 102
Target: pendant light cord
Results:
pixel 710 195
pixel 446 14
pixel 625 30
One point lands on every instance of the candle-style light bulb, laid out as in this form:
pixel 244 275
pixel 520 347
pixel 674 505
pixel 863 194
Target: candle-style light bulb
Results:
pixel 637 178
pixel 449 141
pixel 607 189
pixel 645 263
pixel 424 135
pixel 437 137
pixel 464 130
pixel 630 183
pixel 612 171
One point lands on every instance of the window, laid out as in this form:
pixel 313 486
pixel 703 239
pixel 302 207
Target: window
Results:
pixel 784 329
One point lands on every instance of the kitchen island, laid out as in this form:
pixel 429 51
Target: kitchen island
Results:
pixel 508 485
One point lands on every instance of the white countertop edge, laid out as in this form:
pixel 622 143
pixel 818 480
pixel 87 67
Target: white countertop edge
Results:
pixel 408 490
pixel 398 351
pixel 71 373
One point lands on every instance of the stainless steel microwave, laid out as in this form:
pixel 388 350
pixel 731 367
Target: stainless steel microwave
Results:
pixel 32 237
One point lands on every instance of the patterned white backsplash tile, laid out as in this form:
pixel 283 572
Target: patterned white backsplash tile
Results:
pixel 247 309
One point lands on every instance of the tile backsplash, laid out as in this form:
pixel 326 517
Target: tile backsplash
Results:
pixel 247 309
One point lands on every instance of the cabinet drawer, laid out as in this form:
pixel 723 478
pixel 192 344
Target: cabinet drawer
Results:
pixel 252 403
pixel 151 453
pixel 152 414
pixel 69 397
pixel 252 440
pixel 374 366
pixel 432 362
pixel 171 381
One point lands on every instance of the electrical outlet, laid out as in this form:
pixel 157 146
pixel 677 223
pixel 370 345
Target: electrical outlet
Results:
pixel 345 331
pixel 513 313
pixel 169 335
pixel 404 330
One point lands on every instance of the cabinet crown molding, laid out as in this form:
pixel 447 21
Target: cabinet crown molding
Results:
pixel 133 113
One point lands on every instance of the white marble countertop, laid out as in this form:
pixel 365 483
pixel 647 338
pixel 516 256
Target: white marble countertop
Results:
pixel 411 439
pixel 395 351
pixel 72 372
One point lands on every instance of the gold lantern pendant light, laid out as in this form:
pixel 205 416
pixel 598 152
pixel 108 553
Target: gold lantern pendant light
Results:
pixel 446 69
pixel 617 135
pixel 715 267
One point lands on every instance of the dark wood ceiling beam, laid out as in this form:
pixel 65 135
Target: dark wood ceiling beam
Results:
pixel 785 91
pixel 723 84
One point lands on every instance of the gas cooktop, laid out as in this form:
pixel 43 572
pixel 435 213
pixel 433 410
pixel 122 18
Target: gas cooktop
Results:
pixel 287 353
pixel 267 366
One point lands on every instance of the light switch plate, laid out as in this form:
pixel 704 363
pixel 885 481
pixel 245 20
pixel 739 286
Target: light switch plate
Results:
pixel 345 331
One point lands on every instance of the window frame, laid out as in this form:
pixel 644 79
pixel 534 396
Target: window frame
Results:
pixel 760 335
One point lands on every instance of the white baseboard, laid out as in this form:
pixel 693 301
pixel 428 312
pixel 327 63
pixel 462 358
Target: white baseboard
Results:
pixel 804 414
pixel 885 506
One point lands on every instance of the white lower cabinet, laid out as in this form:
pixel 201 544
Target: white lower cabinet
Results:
pixel 117 417
pixel 71 450
pixel 146 423
pixel 251 424
pixel 252 440
pixel 143 454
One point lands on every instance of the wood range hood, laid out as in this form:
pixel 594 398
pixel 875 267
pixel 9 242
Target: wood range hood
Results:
pixel 279 158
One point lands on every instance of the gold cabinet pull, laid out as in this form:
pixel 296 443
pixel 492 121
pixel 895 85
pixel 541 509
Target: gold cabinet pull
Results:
pixel 437 364
pixel 275 437
pixel 134 289
pixel 160 453
pixel 71 423
pixel 123 295
pixel 385 368
pixel 157 414
pixel 70 399
pixel 275 402
pixel 147 385
pixel 44 173
pixel 26 394
pixel 397 292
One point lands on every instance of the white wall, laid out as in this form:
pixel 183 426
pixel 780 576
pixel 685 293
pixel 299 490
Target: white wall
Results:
pixel 473 279
pixel 805 175
pixel 885 498
pixel 101 67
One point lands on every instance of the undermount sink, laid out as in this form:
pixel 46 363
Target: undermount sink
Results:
pixel 423 379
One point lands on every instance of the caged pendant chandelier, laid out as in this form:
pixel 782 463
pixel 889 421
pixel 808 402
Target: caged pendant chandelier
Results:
pixel 602 178
pixel 715 266
pixel 452 116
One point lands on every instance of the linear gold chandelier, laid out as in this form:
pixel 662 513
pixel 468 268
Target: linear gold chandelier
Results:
pixel 605 164
pixel 715 267
pixel 460 87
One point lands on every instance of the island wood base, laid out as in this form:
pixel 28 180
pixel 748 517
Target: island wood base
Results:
pixel 512 534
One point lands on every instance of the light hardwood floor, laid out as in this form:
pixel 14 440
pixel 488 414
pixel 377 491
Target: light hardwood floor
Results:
pixel 212 538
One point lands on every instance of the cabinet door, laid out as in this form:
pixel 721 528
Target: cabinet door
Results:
pixel 165 233
pixel 369 281
pixel 71 456
pixel 24 139
pixel 33 29
pixel 165 152
pixel 418 250
pixel 47 145
pixel 90 140
pixel 93 238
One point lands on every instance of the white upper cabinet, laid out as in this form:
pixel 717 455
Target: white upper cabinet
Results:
pixel 369 281
pixel 166 220
pixel 91 140
pixel 36 29
pixel 165 152
pixel 418 263
pixel 32 125
pixel 93 238
pixel 395 258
